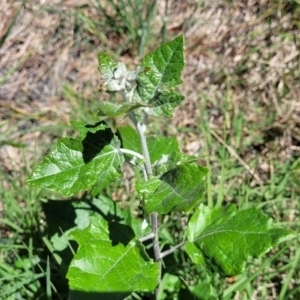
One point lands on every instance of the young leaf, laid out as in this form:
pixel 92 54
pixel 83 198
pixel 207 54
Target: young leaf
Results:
pixel 164 67
pixel 227 238
pixel 179 189
pixel 78 164
pixel 107 65
pixel 110 260
pixel 164 103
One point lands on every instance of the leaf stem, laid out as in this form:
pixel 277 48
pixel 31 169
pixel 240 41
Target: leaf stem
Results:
pixel 147 237
pixel 171 250
pixel 133 153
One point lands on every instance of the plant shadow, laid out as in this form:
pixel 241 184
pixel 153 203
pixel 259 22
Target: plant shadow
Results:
pixel 94 142
pixel 65 216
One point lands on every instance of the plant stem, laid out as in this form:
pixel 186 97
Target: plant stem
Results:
pixel 154 224
pixel 141 127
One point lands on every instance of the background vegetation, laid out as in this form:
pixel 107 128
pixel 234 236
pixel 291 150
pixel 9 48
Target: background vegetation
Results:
pixel 241 115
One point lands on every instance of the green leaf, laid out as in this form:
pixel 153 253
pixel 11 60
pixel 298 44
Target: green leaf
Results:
pixel 65 216
pixel 177 158
pixel 164 103
pixel 83 128
pixel 130 139
pixel 205 291
pixel 109 260
pixel 77 295
pixel 179 189
pixel 160 149
pixel 164 67
pixel 106 65
pixel 194 253
pixel 79 164
pixel 204 216
pixel 169 285
pixel 227 238
pixel 110 109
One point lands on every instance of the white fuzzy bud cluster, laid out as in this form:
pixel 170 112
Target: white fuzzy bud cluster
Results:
pixel 122 81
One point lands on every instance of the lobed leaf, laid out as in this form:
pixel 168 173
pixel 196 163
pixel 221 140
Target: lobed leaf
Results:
pixel 227 238
pixel 79 164
pixel 110 260
pixel 179 189
pixel 164 67
pixel 164 103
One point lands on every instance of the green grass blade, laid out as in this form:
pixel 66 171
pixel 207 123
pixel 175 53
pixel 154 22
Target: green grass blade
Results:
pixel 291 273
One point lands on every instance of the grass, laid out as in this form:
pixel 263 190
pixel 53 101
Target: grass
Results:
pixel 240 116
pixel 19 274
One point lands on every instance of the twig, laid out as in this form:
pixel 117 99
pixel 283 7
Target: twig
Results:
pixel 147 237
pixel 171 250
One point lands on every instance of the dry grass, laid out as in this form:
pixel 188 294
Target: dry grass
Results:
pixel 247 49
pixel 252 53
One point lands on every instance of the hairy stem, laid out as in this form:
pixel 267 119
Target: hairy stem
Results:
pixel 141 127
